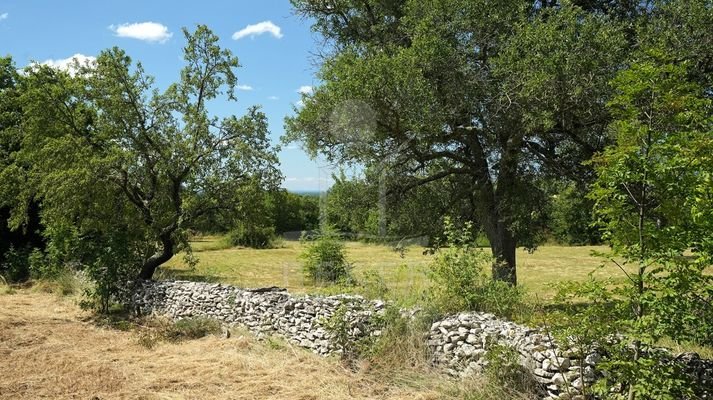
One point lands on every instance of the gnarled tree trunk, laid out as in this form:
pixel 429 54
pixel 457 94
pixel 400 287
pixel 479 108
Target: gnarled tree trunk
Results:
pixel 160 257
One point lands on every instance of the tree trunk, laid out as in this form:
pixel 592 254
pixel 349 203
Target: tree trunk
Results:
pixel 160 257
pixel 503 246
pixel 492 200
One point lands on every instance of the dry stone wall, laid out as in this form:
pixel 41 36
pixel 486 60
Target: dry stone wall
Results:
pixel 458 343
pixel 299 319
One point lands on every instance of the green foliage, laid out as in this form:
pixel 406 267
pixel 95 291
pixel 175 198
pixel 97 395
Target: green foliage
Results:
pixel 651 375
pixel 372 209
pixel 324 258
pixel 593 317
pixel 259 209
pixel 459 282
pixel 250 235
pixel 646 197
pixel 22 264
pixel 351 204
pixel 293 212
pixel 340 329
pixel 372 285
pixel 571 217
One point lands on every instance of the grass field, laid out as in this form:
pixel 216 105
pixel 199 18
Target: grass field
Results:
pixel 405 276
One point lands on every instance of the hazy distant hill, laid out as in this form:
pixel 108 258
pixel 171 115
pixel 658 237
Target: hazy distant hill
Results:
pixel 315 193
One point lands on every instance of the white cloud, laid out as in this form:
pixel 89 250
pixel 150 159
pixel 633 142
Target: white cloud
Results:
pixel 305 89
pixel 146 31
pixel 244 87
pixel 273 98
pixel 68 64
pixel 299 104
pixel 4 16
pixel 258 29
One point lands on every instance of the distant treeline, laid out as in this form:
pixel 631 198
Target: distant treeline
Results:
pixel 358 209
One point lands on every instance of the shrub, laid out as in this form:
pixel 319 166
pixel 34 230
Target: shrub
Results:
pixel 339 328
pixel 324 259
pixel 254 236
pixel 346 334
pixel 459 282
pixel 372 285
pixel 65 283
pixel 24 263
pixel 16 267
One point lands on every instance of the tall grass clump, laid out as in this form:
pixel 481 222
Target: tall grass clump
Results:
pixel 5 287
pixel 459 280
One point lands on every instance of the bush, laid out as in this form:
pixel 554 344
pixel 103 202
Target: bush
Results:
pixel 66 283
pixel 325 258
pixel 16 266
pixel 254 236
pixel 459 283
pixel 372 285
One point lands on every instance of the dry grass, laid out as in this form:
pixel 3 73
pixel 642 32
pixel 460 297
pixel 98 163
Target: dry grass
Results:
pixel 405 276
pixel 51 349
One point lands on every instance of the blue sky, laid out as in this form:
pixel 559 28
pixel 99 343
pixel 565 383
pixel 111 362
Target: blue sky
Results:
pixel 275 47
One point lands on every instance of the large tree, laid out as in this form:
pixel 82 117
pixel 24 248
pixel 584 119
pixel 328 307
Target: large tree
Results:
pixel 493 96
pixel 122 169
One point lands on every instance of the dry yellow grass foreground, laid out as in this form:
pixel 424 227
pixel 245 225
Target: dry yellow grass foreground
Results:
pixel 50 350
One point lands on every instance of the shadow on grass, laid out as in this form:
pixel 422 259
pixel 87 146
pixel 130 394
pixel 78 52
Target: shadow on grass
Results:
pixel 165 274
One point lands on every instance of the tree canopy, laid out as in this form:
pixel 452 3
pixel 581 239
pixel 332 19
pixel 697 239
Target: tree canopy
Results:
pixel 493 96
pixel 123 169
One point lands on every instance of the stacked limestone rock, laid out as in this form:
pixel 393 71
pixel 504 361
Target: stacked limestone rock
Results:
pixel 299 319
pixel 459 344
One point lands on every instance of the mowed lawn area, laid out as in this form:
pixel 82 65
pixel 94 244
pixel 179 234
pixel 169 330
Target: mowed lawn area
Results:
pixel 404 274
